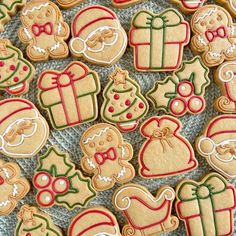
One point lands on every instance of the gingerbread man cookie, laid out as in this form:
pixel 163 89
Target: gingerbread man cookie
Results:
pixel 23 131
pixel 32 222
pixel 9 8
pixel 106 156
pixel 225 77
pixel 94 221
pixel 16 72
pixel 230 5
pixel 44 31
pixel 124 3
pixel 123 105
pixel 12 187
pixel 206 207
pixel 165 152
pixel 218 145
pixel 59 183
pixel 146 215
pixel 214 35
pixel 189 6
pixel 97 36
pixel 68 3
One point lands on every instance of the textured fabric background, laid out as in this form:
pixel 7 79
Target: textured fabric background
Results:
pixel 68 140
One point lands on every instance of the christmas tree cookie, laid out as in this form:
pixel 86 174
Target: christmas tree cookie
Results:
pixel 15 72
pixel 9 8
pixel 59 183
pixel 32 222
pixel 183 92
pixel 123 105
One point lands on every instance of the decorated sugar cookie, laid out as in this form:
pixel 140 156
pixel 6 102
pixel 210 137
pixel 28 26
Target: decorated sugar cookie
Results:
pixel 43 31
pixel 158 40
pixel 189 6
pixel 124 3
pixel 225 77
pixel 13 187
pixel 97 36
pixel 183 91
pixel 23 131
pixel 206 207
pixel 16 72
pixel 59 183
pixel 70 95
pixel 68 3
pixel 146 215
pixel 217 145
pixel 123 105
pixel 94 221
pixel 9 8
pixel 32 222
pixel 230 5
pixel 165 152
pixel 213 35
pixel 106 156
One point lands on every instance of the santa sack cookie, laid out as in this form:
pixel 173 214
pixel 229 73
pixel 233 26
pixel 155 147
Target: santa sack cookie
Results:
pixel 165 152
pixel 97 36
pixel 213 35
pixel 23 131
pixel 218 145
pixel 44 31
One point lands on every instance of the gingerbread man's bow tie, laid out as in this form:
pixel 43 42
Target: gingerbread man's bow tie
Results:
pixel 220 32
pixel 39 29
pixel 101 157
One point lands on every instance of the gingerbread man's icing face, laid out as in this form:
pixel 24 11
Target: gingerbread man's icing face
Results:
pixel 210 19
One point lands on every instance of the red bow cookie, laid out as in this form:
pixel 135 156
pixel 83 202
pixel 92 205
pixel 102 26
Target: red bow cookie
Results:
pixel 40 29
pixel 220 32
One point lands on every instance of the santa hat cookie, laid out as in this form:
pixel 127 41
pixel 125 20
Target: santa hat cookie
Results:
pixel 97 36
pixel 218 145
pixel 94 221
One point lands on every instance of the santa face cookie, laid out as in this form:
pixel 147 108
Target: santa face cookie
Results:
pixel 94 221
pixel 123 105
pixel 230 5
pixel 146 215
pixel 225 77
pixel 12 187
pixel 165 152
pixel 23 131
pixel 189 6
pixel 97 36
pixel 106 156
pixel 69 96
pixel 206 207
pixel 68 3
pixel 32 222
pixel 124 3
pixel 44 31
pixel 218 145
pixel 182 92
pixel 59 183
pixel 158 40
pixel 214 35
pixel 9 8
pixel 16 72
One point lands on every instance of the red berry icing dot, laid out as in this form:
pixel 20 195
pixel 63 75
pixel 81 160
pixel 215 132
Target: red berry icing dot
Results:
pixel 25 68
pixel 141 105
pixel 28 234
pixel 1 63
pixel 12 67
pixel 16 79
pixel 116 96
pixel 129 116
pixel 111 109
pixel 127 102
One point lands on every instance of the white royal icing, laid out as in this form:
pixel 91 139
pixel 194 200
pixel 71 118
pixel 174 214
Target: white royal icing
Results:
pixel 208 13
pixel 38 49
pixel 96 135
pixel 201 40
pixel 229 73
pixel 231 49
pixel 108 234
pixel 27 33
pixel 55 46
pixel 25 12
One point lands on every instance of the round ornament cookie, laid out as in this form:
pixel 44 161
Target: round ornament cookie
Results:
pixel 13 187
pixel 106 156
pixel 125 3
pixel 189 6
pixel 23 131
pixel 32 222
pixel 123 104
pixel 95 221
pixel 43 31
pixel 146 215
pixel 97 36
pixel 213 35
pixel 16 72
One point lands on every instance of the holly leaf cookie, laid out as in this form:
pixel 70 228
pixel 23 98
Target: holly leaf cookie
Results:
pixel 32 222
pixel 59 183
pixel 183 91
pixel 123 105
